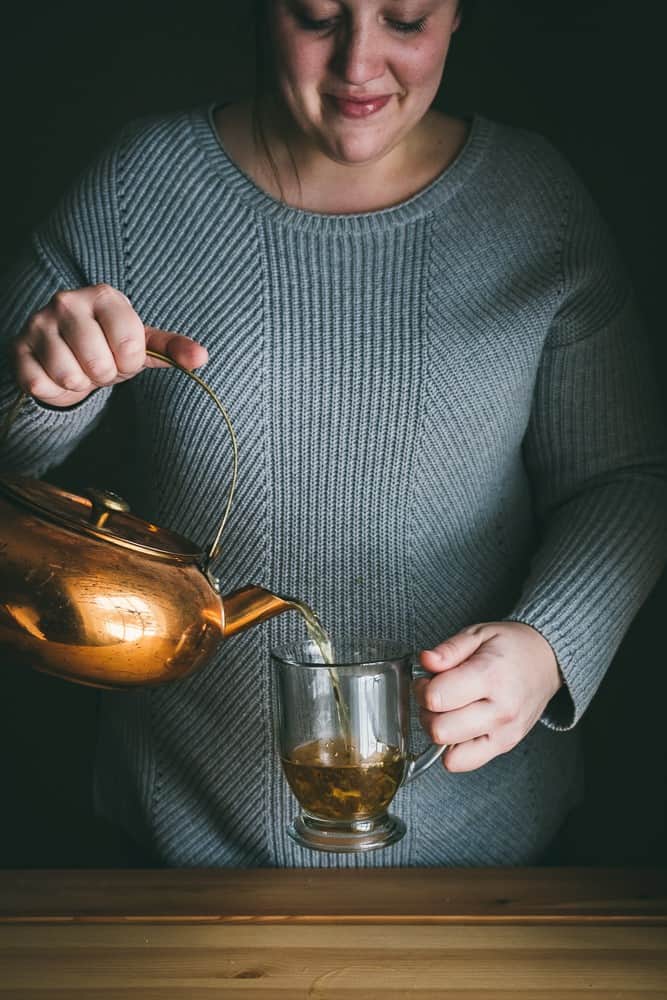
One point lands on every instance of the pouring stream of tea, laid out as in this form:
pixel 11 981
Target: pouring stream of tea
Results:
pixel 320 637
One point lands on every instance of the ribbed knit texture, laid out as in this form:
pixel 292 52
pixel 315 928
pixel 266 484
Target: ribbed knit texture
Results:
pixel 445 415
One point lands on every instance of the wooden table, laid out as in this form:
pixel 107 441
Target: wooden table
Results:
pixel 199 934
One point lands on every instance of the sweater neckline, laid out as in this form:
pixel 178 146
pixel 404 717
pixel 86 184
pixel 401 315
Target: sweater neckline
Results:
pixel 433 196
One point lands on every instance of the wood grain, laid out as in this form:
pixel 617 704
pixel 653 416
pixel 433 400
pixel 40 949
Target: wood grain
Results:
pixel 326 962
pixel 455 934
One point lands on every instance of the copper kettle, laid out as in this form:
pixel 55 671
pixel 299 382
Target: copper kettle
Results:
pixel 96 595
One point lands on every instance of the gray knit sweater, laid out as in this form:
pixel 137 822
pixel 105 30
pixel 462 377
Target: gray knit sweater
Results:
pixel 445 416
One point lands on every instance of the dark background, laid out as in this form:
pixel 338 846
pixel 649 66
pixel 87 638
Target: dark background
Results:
pixel 581 72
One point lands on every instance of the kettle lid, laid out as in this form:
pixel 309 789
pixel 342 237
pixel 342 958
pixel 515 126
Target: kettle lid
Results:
pixel 101 514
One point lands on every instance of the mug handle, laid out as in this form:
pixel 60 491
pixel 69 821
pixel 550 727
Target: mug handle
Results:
pixel 420 762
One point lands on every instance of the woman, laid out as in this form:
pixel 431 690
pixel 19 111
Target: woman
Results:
pixel 432 360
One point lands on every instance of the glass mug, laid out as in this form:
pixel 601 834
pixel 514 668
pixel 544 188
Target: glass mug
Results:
pixel 343 732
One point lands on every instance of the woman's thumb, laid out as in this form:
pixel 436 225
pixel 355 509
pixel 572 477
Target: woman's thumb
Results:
pixel 182 349
pixel 458 648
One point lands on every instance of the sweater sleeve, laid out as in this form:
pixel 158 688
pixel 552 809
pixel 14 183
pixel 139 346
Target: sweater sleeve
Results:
pixel 80 244
pixel 597 460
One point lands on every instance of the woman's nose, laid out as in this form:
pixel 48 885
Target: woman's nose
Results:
pixel 358 56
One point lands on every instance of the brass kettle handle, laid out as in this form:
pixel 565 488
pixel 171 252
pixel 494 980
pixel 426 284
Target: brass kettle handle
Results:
pixel 215 546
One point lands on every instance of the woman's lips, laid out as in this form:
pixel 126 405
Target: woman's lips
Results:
pixel 359 107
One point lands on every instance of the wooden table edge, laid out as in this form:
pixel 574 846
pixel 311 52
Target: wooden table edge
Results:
pixel 512 896
pixel 575 920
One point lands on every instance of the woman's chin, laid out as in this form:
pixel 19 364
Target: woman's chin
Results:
pixel 357 152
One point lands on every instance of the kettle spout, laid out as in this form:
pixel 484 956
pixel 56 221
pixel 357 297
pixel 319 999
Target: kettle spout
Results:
pixel 250 606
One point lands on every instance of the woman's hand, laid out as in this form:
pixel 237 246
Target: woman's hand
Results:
pixel 90 337
pixel 490 686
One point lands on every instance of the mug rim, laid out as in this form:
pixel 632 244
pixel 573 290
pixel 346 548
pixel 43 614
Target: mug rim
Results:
pixel 395 649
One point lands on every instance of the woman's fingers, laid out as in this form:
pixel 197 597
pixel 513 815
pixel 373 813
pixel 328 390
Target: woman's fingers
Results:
pixel 463 724
pixel 470 755
pixel 88 321
pixel 34 378
pixel 90 337
pixel 455 688
pixel 474 735
pixel 76 343
pixel 123 333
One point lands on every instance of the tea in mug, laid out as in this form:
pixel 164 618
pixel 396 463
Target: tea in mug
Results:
pixel 332 781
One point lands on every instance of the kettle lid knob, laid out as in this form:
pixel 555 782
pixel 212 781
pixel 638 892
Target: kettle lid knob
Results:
pixel 105 502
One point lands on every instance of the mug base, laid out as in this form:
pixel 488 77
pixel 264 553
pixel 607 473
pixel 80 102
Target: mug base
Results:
pixel 346 838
